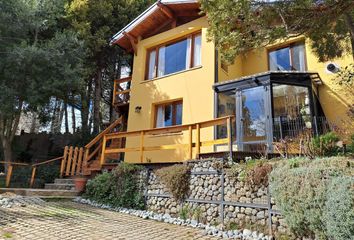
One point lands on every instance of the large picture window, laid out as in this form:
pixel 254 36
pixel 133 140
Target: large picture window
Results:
pixel 174 57
pixel 168 114
pixel 291 58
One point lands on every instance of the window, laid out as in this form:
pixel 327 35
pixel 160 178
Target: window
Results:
pixel 169 114
pixel 174 57
pixel 288 58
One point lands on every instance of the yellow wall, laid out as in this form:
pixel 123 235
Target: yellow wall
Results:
pixel 193 86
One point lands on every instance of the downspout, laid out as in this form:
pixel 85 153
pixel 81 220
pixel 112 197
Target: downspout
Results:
pixel 216 80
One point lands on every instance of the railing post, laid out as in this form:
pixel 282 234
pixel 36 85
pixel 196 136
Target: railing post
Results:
pixel 8 175
pixel 32 176
pixel 62 167
pixel 103 150
pixel 114 92
pixel 79 162
pixel 190 147
pixel 280 129
pixel 142 146
pixel 229 135
pixel 69 160
pixel 198 140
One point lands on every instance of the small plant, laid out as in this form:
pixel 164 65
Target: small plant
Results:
pixel 253 171
pixel 176 179
pixel 325 145
pixel 184 212
pixel 99 189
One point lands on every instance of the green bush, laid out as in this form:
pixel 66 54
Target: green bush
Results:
pixel 120 188
pixel 301 187
pixel 176 179
pixel 99 189
pixel 351 145
pixel 339 209
pixel 326 145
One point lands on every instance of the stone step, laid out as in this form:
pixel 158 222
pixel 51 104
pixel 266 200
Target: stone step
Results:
pixel 59 186
pixel 64 181
pixel 43 193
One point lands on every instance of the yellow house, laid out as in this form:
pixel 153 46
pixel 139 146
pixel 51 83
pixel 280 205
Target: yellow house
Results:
pixel 178 85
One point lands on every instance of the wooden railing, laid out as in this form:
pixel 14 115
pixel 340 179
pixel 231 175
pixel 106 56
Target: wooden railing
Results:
pixel 10 166
pixel 121 91
pixel 142 148
pixel 93 148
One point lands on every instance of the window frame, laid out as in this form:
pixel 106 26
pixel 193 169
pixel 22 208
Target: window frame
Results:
pixel 290 46
pixel 174 104
pixel 157 48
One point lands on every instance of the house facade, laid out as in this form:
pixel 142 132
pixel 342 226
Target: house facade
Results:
pixel 178 79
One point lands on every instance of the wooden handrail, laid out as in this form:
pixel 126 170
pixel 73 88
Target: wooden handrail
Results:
pixel 122 80
pixel 104 132
pixel 48 161
pixel 172 129
pixel 15 163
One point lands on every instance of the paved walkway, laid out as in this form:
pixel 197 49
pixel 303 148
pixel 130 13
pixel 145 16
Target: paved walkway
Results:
pixel 69 220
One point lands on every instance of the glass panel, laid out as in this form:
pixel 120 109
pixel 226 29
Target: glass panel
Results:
pixel 179 109
pixel 253 114
pixel 226 106
pixel 298 57
pixel 160 118
pixel 173 58
pixel 279 60
pixel 292 114
pixel 161 67
pixel 152 60
pixel 197 58
pixel 168 115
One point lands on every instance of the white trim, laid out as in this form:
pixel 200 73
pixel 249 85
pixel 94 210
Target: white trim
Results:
pixel 144 15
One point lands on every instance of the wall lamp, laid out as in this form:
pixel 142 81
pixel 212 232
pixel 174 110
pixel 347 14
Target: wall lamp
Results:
pixel 137 109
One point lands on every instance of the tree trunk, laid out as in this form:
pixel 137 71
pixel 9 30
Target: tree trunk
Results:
pixel 97 102
pixel 66 118
pixel 6 145
pixel 85 110
pixel 53 119
pixel 73 119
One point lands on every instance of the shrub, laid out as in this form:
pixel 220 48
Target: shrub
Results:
pixel 300 191
pixel 254 172
pixel 326 145
pixel 127 187
pixel 176 179
pixel 351 144
pixel 99 189
pixel 339 209
pixel 120 188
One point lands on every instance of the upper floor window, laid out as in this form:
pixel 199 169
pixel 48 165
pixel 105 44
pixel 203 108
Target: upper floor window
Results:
pixel 174 57
pixel 168 114
pixel 288 58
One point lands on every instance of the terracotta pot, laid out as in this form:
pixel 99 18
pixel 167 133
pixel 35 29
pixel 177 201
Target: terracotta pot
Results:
pixel 80 183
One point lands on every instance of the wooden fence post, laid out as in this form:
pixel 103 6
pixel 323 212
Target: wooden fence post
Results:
pixel 63 161
pixel 190 147
pixel 198 140
pixel 76 151
pixel 84 164
pixel 103 150
pixel 33 176
pixel 79 162
pixel 142 146
pixel 8 175
pixel 69 160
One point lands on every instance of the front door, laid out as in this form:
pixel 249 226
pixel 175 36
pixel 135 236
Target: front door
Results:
pixel 253 111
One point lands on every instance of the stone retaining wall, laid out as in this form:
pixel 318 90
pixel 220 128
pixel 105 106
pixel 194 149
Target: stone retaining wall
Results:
pixel 212 187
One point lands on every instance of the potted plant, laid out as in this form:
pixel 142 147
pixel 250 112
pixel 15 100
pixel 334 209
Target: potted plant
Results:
pixel 80 183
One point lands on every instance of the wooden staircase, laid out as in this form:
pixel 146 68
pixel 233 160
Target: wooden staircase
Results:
pixel 87 160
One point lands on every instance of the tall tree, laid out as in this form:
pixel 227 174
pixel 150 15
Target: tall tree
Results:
pixel 97 22
pixel 38 61
pixel 237 26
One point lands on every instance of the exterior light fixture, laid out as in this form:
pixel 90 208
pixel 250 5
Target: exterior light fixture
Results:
pixel 137 109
